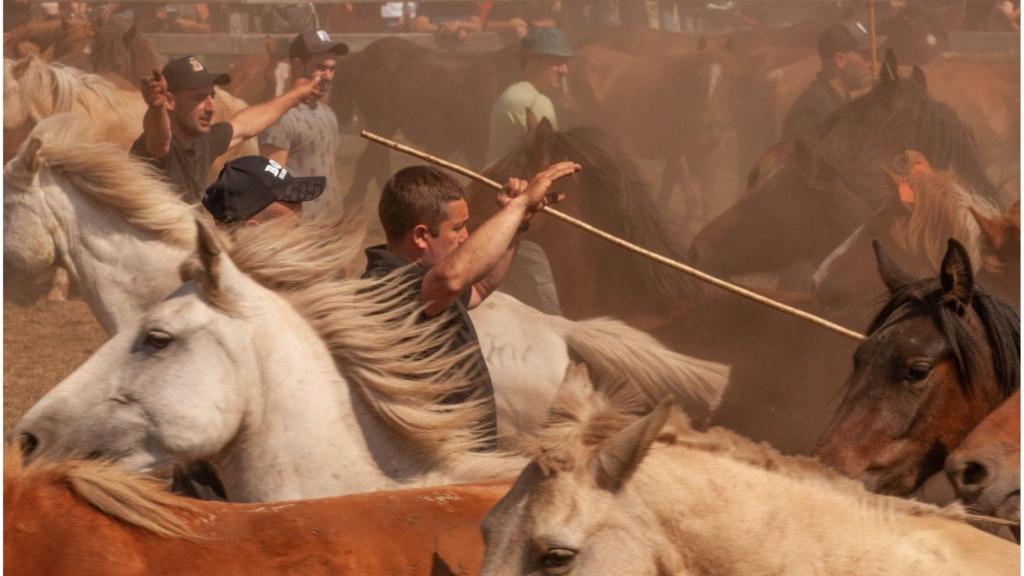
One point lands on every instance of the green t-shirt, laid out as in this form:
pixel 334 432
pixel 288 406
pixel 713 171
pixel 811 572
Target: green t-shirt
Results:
pixel 508 117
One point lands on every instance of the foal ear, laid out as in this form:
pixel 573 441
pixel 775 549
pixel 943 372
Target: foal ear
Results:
pixel 890 72
pixel 892 275
pixel 30 156
pixel 957 276
pixel 618 457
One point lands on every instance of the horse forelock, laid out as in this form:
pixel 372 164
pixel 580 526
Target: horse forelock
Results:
pixel 1000 331
pixel 139 501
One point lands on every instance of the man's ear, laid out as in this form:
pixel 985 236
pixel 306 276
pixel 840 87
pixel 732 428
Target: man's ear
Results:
pixel 839 59
pixel 420 236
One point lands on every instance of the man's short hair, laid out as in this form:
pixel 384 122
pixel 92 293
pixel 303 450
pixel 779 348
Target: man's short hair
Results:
pixel 416 195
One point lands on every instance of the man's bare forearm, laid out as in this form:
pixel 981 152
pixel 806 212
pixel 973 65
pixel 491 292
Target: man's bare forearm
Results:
pixel 256 119
pixel 156 126
pixel 487 253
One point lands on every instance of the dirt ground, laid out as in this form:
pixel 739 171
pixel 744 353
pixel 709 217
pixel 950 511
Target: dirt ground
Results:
pixel 43 345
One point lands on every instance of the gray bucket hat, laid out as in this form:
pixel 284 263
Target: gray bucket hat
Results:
pixel 550 41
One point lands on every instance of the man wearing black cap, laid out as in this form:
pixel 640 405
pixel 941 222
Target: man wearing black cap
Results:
pixel 252 190
pixel 845 51
pixel 177 134
pixel 305 138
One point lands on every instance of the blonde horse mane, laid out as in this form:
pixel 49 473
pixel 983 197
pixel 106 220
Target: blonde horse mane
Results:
pixel 52 88
pixel 942 210
pixel 136 500
pixel 582 418
pixel 106 174
pixel 403 368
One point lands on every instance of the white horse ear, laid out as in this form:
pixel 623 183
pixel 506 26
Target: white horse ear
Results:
pixel 30 156
pixel 217 275
pixel 618 457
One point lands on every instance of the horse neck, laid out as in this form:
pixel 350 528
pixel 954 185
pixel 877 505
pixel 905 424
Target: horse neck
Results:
pixel 121 270
pixel 307 433
pixel 710 518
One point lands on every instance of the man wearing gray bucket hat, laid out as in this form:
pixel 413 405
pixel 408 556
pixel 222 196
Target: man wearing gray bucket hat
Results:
pixel 545 57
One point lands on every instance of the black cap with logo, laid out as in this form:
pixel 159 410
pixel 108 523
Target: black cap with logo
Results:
pixel 312 42
pixel 249 184
pixel 189 72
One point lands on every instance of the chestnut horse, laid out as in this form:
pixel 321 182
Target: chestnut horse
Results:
pixel 440 101
pixel 126 53
pixel 92 518
pixel 985 469
pixel 941 355
pixel 257 78
pixel 835 180
pixel 593 277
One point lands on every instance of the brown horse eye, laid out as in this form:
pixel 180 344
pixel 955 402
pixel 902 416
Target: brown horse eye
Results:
pixel 918 371
pixel 557 560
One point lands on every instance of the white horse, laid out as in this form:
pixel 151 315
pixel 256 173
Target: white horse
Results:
pixel 295 385
pixel 613 494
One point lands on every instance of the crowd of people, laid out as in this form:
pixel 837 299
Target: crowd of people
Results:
pixel 457 18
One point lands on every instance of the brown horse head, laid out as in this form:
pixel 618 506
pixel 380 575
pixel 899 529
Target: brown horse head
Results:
pixel 834 181
pixel 941 355
pixel 126 53
pixel 985 469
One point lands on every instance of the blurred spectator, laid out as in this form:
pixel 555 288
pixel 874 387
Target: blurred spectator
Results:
pixel 397 14
pixel 290 18
pixel 1004 16
pixel 193 18
pixel 512 20
pixel 687 11
pixel 449 20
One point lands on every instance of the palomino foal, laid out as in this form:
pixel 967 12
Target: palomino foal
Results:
pixel 651 496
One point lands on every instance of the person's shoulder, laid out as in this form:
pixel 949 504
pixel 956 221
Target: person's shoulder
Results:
pixel 519 94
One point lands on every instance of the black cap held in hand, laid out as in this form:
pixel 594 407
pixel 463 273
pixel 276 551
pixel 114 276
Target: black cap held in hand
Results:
pixel 249 184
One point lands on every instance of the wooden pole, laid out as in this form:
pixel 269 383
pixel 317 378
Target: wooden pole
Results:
pixel 874 36
pixel 738 290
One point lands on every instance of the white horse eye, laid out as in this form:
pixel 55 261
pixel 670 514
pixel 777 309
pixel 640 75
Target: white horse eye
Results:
pixel 557 560
pixel 158 340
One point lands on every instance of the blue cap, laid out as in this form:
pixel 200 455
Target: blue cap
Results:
pixel 550 41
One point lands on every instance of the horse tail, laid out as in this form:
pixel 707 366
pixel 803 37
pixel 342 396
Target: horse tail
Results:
pixel 633 367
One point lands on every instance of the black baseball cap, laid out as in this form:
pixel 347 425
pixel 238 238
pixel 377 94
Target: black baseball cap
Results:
pixel 189 72
pixel 846 36
pixel 249 184
pixel 313 42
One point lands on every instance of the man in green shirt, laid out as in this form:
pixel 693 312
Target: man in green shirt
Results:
pixel 546 54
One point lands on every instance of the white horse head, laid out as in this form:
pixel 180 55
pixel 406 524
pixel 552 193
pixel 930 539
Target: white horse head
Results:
pixel 110 220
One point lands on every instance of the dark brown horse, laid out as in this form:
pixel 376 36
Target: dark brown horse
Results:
pixel 941 355
pixel 125 53
pixel 440 101
pixel 835 179
pixel 593 277
pixel 675 108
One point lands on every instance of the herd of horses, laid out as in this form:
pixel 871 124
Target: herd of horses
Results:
pixel 318 398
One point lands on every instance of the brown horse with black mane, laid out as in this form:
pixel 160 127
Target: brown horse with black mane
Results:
pixel 441 101
pixel 942 354
pixel 94 519
pixel 834 180
pixel 593 277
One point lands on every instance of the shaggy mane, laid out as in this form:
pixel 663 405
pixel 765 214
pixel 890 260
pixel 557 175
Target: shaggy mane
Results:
pixel 55 87
pixel 136 500
pixel 106 174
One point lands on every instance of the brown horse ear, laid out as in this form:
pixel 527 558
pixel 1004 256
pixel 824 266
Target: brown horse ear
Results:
pixel 919 78
pixel 892 275
pixel 993 229
pixel 544 139
pixel 129 36
pixel 957 276
pixel 890 72
pixel 617 458
pixel 31 154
